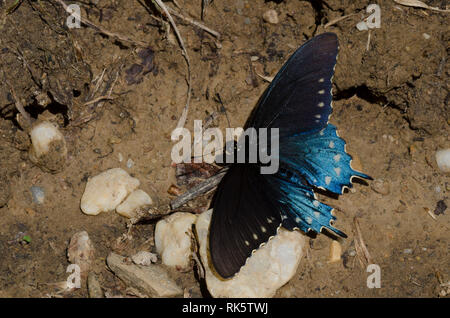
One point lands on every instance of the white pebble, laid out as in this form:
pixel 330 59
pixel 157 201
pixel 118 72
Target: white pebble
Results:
pixel 443 159
pixel 130 163
pixel 426 36
pixel 45 136
pixel 269 268
pixel 81 251
pixel 172 241
pixel 271 16
pixel 144 258
pixel 133 202
pixel 335 252
pixel 38 194
pixel 107 190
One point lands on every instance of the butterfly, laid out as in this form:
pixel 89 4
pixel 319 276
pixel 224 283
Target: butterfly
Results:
pixel 250 207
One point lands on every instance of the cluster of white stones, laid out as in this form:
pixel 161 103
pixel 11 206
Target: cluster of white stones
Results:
pixel 108 190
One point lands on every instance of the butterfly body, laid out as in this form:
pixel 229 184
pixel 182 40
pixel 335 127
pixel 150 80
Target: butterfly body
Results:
pixel 249 207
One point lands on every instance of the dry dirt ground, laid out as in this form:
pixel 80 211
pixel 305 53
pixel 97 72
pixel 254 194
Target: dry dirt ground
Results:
pixel 391 106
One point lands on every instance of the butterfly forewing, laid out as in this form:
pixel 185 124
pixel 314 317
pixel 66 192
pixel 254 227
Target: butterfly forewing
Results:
pixel 299 98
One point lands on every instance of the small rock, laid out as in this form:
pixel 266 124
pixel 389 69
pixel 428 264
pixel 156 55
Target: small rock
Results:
pixel 172 240
pixel 94 288
pixel 351 252
pixel 38 194
pixel 380 186
pixel 269 267
pixel 335 252
pixel 130 163
pixel 134 201
pixel 443 159
pixel 426 36
pixel 81 251
pixel 144 258
pixel 152 280
pixel 271 16
pixel 48 147
pixel 107 190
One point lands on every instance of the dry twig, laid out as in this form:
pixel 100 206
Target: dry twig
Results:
pixel 104 31
pixel 197 190
pixel 192 21
pixel 419 4
pixel 334 21
pixel 360 246
pixel 164 9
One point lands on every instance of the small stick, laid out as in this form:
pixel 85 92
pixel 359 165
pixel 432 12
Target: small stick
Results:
pixel 98 99
pixel 183 116
pixel 266 78
pixel 334 21
pixel 197 190
pixel 205 4
pixel 430 213
pixel 360 242
pixel 419 4
pixel 19 105
pixel 104 31
pixel 192 21
pixel 368 41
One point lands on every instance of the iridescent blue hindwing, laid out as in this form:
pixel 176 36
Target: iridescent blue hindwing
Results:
pixel 320 158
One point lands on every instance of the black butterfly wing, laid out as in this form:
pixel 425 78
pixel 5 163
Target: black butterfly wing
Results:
pixel 299 98
pixel 245 215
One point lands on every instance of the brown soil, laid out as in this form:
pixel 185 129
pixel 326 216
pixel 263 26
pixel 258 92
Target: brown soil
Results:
pixel 391 106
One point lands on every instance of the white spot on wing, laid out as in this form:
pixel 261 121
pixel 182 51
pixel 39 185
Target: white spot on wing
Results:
pixel 255 237
pixel 327 180
pixel 337 157
pixel 247 243
pixel 317 116
pixel 331 144
pixel 321 104
pixel 309 220
pixel 263 229
pixel 316 203
pixel 321 92
pixel 338 171
pixel 321 80
pixel 317 214
pixel 297 219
